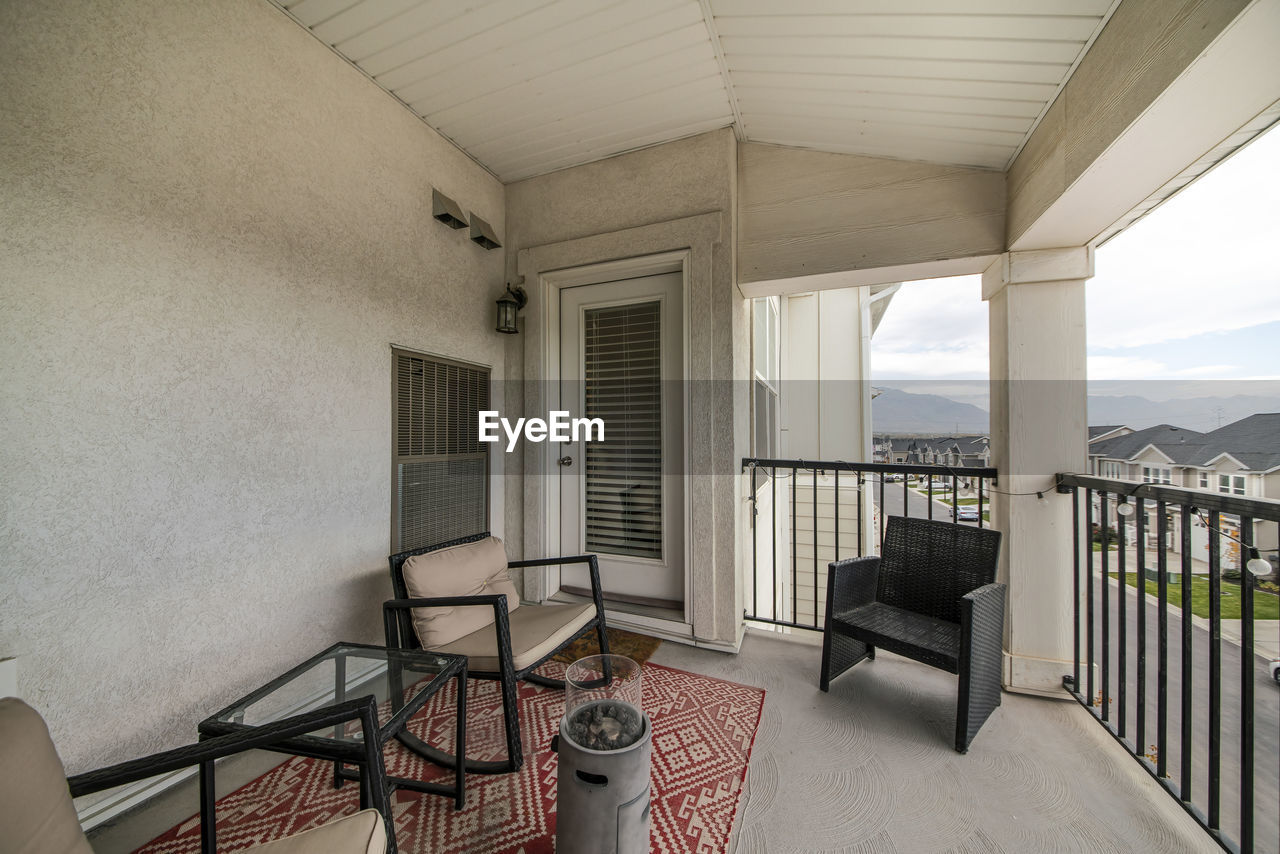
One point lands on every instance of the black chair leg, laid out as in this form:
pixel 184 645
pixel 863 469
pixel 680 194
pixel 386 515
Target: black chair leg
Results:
pixel 511 726
pixel 839 653
pixel 511 720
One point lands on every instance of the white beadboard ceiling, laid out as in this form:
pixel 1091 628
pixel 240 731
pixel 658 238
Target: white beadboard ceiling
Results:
pixel 530 86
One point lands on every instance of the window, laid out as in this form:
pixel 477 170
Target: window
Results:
pixel 1232 484
pixel 1156 474
pixel 1204 480
pixel 765 387
pixel 622 369
pixel 439 466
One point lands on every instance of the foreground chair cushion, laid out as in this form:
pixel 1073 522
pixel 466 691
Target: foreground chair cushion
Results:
pixel 471 569
pixel 361 833
pixel 536 632
pixel 36 813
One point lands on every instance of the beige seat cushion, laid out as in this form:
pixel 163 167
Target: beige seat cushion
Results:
pixel 38 817
pixel 472 569
pixel 536 632
pixel 36 814
pixel 361 833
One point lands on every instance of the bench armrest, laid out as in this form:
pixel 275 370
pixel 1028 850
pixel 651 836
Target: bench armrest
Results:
pixel 852 582
pixel 593 567
pixel 363 709
pixel 982 621
pixel 392 608
pixel 983 604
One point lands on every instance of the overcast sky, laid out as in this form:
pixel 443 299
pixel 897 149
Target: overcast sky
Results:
pixel 1191 292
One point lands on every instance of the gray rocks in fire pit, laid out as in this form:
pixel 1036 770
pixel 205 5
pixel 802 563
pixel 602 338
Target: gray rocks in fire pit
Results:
pixel 605 725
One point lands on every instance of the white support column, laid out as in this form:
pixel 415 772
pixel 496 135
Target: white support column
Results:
pixel 1038 427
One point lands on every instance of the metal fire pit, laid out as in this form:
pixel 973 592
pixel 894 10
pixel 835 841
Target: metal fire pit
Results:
pixel 605 747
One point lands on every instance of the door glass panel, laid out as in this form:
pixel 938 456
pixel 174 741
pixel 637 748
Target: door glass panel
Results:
pixel 622 373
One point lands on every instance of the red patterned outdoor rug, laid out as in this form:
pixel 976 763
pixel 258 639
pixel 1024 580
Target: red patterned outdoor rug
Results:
pixel 703 731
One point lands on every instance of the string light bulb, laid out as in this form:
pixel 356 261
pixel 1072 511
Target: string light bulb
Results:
pixel 1125 509
pixel 1258 566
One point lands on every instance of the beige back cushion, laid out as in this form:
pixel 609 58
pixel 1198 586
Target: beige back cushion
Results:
pixel 36 814
pixel 473 569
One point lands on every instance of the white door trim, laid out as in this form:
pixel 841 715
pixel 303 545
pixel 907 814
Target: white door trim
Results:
pixel 548 289
pixel 715 606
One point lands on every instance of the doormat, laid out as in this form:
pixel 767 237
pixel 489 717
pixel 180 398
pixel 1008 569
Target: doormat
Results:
pixel 703 732
pixel 636 647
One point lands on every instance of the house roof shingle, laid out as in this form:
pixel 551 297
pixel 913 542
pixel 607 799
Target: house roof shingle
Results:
pixel 1163 436
pixel 1254 441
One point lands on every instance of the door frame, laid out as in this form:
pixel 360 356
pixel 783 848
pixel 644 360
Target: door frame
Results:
pixel 548 288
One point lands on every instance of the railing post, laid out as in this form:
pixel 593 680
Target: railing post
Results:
pixel 1075 581
pixel 1105 526
pixel 1140 533
pixel 1122 617
pixel 1088 597
pixel 1162 641
pixel 1246 687
pixel 1215 671
pixel 1185 621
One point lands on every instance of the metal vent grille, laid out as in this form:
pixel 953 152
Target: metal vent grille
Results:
pixel 622 370
pixel 440 467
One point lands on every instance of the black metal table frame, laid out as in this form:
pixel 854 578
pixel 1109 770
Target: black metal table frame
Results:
pixel 344 753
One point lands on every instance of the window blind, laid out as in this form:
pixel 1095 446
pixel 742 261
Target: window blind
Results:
pixel 622 374
pixel 440 467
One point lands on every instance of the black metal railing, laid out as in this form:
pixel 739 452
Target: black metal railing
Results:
pixel 807 513
pixel 1144 556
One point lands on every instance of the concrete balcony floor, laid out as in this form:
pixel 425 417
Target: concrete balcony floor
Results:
pixel 870 766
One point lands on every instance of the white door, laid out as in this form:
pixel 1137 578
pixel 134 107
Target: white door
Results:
pixel 623 498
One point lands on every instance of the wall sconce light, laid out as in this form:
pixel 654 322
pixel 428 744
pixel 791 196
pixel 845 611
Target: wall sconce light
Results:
pixel 447 210
pixel 509 304
pixel 483 233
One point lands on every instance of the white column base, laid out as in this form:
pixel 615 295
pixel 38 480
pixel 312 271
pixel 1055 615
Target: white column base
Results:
pixel 1039 676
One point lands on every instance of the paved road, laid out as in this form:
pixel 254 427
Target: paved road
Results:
pixel 1266 709
pixel 916 503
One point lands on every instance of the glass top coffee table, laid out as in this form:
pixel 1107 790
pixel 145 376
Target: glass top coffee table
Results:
pixel 400 681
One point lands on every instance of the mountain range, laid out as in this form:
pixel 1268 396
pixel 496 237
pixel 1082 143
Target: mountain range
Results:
pixel 897 411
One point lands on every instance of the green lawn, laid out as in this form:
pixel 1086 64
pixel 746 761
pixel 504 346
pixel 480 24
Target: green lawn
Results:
pixel 945 498
pixel 1266 606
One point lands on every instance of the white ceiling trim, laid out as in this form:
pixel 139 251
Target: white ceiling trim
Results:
pixel 709 18
pixel 1070 73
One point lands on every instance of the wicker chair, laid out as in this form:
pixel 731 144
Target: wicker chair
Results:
pixel 36 813
pixel 929 596
pixel 506 645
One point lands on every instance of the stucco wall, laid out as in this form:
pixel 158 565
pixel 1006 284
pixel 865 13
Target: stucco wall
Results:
pixel 211 230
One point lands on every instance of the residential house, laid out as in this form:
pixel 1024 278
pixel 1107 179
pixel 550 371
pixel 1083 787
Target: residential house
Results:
pixel 1143 456
pixel 1241 458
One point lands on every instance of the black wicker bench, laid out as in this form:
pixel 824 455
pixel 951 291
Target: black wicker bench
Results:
pixel 931 596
